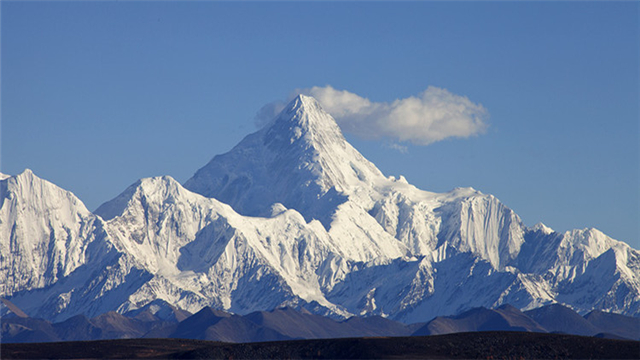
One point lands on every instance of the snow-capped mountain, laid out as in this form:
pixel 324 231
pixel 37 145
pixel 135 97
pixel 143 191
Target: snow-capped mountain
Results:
pixel 294 215
pixel 47 233
pixel 56 258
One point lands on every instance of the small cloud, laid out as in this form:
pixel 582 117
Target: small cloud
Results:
pixel 433 115
pixel 268 112
pixel 401 148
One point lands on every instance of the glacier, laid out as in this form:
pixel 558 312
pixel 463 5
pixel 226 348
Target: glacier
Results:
pixel 295 216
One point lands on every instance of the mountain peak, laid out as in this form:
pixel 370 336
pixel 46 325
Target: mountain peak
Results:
pixel 26 173
pixel 304 143
pixel 32 189
pixel 542 228
pixel 159 189
pixel 303 118
pixel 303 101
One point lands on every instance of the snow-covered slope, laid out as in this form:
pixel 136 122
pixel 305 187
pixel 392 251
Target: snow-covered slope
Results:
pixel 56 258
pixel 295 216
pixel 585 268
pixel 203 253
pixel 45 233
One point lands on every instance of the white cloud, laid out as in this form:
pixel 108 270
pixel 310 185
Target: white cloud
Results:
pixel 268 112
pixel 400 148
pixel 433 115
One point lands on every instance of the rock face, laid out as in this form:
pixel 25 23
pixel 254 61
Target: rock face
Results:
pixel 295 216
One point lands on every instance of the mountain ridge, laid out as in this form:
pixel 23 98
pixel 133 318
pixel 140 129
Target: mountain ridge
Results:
pixel 295 216
pixel 288 323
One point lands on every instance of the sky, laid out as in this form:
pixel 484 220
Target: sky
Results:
pixel 536 103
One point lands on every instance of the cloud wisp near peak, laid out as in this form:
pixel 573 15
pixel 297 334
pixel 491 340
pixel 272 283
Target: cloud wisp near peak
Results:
pixel 433 115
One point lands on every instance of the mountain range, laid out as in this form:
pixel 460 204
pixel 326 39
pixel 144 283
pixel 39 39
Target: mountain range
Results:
pixel 290 324
pixel 294 216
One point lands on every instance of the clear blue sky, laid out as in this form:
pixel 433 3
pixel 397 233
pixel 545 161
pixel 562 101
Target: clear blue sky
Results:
pixel 98 95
